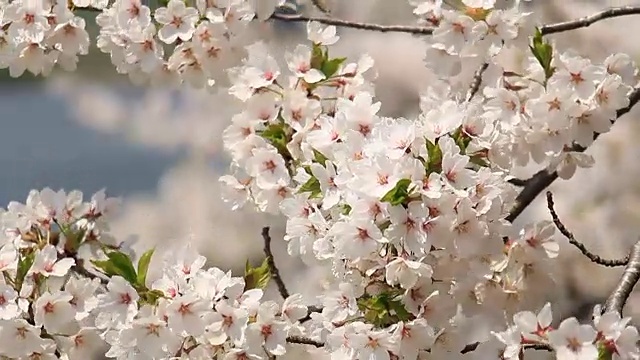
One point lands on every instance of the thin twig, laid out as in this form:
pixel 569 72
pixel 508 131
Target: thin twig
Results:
pixel 472 347
pixel 420 30
pixel 477 81
pixel 590 20
pixel 518 182
pixel 310 310
pixel 630 277
pixel 81 270
pixel 79 267
pixel 534 186
pixel 467 349
pixel 304 341
pixel 320 5
pixel 417 30
pixel 275 273
pixel 543 178
pixel 569 235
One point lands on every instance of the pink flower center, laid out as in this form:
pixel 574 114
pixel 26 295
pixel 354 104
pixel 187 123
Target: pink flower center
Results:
pixel 125 299
pixel 266 331
pixel 49 308
pixel 270 166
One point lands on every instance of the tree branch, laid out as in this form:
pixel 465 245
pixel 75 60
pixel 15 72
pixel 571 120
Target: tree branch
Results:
pixel 590 20
pixel 275 273
pixel 533 186
pixel 593 257
pixel 310 310
pixel 518 182
pixel 543 178
pixel 304 341
pixel 417 30
pixel 421 30
pixel 477 81
pixel 630 277
pixel 472 347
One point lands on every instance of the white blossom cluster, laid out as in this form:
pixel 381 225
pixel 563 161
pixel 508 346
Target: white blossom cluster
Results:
pixel 36 35
pixel 535 104
pixel 609 334
pixel 52 307
pixel 173 44
pixel 167 46
pixel 408 218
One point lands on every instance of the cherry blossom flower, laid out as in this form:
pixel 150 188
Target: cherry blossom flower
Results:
pixel 299 63
pixel 227 322
pixel 539 237
pixel 82 345
pixel 574 341
pixel 178 21
pixel 46 263
pixel 412 336
pixel 28 21
pixel 534 327
pixel 54 311
pixel 374 344
pixel 18 338
pixel 321 35
pixel 8 306
pixel 406 273
pixel 340 304
pixel 119 303
pixel 267 331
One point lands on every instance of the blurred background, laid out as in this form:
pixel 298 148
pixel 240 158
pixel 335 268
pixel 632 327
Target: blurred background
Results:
pixel 161 151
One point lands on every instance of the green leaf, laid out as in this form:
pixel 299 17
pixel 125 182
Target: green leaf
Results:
pixel 398 310
pixel 150 297
pixel 319 157
pixel 307 169
pixel 383 309
pixel 257 278
pixel 346 209
pixel 313 186
pixel 106 266
pixel 24 264
pixel 318 56
pixel 399 194
pixel 124 264
pixel 461 139
pixel 143 267
pixel 385 225
pixel 604 353
pixel 479 160
pixel 276 135
pixel 543 52
pixel 118 264
pixel 330 67
pixel 320 61
pixel 74 238
pixel 435 157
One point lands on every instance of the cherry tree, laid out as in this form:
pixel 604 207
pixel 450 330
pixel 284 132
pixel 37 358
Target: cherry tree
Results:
pixel 409 219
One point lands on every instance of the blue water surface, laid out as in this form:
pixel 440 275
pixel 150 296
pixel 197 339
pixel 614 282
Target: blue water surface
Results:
pixel 41 145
